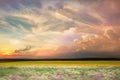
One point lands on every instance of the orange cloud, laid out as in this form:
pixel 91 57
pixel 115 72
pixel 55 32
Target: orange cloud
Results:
pixel 109 41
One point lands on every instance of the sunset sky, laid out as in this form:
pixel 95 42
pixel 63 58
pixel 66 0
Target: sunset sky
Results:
pixel 42 29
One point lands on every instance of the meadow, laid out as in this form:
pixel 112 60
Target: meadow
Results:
pixel 60 70
pixel 60 63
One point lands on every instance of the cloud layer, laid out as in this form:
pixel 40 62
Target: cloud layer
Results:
pixel 59 28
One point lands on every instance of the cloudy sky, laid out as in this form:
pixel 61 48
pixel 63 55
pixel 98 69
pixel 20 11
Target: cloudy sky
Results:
pixel 59 29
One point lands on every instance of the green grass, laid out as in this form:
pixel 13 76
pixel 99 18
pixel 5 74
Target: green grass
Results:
pixel 59 73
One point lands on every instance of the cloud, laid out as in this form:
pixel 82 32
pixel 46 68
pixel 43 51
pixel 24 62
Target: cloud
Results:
pixel 104 45
pixel 27 48
pixel 68 28
pixel 108 43
pixel 109 13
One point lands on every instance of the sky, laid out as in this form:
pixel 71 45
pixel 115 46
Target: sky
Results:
pixel 62 29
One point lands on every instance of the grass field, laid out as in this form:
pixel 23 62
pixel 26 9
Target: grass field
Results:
pixel 60 70
pixel 60 63
pixel 59 73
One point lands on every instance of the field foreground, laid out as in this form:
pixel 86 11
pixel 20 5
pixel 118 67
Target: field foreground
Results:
pixel 60 73
pixel 60 70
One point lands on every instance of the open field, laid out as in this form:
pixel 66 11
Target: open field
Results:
pixel 60 63
pixel 59 73
pixel 60 70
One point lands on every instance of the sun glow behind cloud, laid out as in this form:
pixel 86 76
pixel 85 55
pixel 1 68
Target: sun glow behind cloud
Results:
pixel 59 29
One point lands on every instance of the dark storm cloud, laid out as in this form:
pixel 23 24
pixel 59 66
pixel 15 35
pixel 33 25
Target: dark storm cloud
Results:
pixel 97 54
